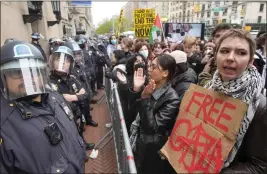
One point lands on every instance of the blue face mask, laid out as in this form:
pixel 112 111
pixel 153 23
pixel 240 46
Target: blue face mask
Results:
pixel 144 53
pixel 113 41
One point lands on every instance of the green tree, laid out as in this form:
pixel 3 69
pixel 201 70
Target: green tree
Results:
pixel 107 25
pixel 104 27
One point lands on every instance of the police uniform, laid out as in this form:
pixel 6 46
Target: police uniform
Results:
pixel 71 86
pixel 80 74
pixel 89 58
pixel 26 146
pixel 100 64
pixel 38 46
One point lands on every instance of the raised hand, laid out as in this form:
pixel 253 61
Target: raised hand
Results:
pixel 121 77
pixel 149 89
pixel 139 79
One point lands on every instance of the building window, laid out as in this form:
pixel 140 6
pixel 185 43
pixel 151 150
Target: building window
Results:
pixel 208 14
pixel 202 14
pixel 259 19
pixel 188 12
pixel 209 5
pixel 208 22
pixel 197 15
pixel 217 2
pixel 223 20
pixel 216 13
pixel 225 12
pixel 203 7
pixel 215 22
pixel 187 19
pixel 235 2
pixel 261 7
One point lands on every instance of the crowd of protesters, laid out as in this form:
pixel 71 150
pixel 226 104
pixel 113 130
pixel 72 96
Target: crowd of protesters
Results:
pixel 153 78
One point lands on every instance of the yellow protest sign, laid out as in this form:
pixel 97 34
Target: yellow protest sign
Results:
pixel 143 21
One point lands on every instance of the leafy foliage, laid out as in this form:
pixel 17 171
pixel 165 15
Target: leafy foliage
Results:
pixel 107 25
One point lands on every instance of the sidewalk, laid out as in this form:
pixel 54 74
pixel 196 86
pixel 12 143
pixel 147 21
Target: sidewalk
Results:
pixel 106 160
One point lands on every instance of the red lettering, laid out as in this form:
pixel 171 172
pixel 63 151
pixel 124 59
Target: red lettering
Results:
pixel 207 101
pixel 225 116
pixel 195 94
pixel 213 109
pixel 209 150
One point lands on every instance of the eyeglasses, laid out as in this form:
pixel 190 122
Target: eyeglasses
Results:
pixel 152 67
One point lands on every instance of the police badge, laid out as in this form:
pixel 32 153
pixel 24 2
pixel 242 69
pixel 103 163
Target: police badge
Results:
pixel 75 88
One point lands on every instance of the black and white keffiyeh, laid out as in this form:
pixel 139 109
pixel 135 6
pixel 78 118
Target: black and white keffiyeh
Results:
pixel 246 88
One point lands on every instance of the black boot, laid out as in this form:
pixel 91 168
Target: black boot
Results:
pixel 93 101
pixel 86 158
pixel 89 146
pixel 92 123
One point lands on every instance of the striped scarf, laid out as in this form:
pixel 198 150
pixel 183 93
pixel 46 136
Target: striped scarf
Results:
pixel 246 88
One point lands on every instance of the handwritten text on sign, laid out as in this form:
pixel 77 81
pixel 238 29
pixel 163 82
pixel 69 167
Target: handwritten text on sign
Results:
pixel 204 132
pixel 143 21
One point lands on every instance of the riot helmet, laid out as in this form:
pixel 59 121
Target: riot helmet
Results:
pixel 35 36
pixel 81 40
pixel 77 51
pixel 23 70
pixel 9 40
pixel 52 40
pixel 62 61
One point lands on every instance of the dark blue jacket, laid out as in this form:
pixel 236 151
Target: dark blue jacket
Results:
pixel 24 146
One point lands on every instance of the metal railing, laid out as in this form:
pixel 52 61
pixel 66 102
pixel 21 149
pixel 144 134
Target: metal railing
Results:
pixel 124 154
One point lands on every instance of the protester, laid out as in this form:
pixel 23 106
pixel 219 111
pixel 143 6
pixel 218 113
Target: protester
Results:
pixel 238 78
pixel 144 49
pixel 218 31
pixel 112 45
pixel 189 49
pixel 210 67
pixel 260 56
pixel 166 51
pixel 158 110
pixel 126 81
pixel 157 48
pixel 183 76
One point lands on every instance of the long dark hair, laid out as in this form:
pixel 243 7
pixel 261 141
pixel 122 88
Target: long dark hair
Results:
pixel 167 62
pixel 130 63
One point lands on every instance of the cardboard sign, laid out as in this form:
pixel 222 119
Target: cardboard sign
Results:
pixel 205 131
pixel 143 21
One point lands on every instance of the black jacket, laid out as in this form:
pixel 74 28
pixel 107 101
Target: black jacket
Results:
pixel 252 155
pixel 158 114
pixel 181 82
pixel 38 46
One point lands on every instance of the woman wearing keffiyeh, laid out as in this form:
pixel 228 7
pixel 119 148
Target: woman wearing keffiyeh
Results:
pixel 237 77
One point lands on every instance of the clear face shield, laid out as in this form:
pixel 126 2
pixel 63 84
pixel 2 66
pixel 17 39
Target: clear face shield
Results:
pixel 24 77
pixel 78 56
pixel 61 63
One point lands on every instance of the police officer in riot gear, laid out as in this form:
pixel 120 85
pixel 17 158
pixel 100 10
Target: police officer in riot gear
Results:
pixel 83 75
pixel 51 45
pixel 61 64
pixel 35 41
pixel 89 60
pixel 38 133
